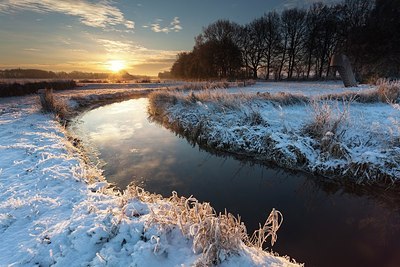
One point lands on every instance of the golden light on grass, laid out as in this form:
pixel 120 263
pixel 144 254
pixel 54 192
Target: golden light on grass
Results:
pixel 115 65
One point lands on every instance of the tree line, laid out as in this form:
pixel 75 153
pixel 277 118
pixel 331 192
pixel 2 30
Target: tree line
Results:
pixel 43 74
pixel 298 43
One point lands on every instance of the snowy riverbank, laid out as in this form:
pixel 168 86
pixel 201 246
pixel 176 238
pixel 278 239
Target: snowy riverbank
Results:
pixel 56 209
pixel 337 139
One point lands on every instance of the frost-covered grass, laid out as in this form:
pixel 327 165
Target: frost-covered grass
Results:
pixel 50 104
pixel 307 88
pixel 55 209
pixel 385 91
pixel 334 138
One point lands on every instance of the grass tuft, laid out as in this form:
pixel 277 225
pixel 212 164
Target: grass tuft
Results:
pixel 285 99
pixel 325 120
pixel 49 104
pixel 215 236
pixel 389 91
pixel 325 127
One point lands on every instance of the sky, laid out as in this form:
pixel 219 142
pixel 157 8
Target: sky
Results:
pixel 140 36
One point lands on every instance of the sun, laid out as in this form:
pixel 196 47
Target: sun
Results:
pixel 116 65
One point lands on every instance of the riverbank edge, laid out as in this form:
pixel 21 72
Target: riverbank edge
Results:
pixel 75 106
pixel 160 104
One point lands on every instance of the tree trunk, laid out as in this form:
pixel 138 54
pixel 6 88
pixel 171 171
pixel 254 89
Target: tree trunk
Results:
pixel 309 64
pixel 268 68
pixel 255 73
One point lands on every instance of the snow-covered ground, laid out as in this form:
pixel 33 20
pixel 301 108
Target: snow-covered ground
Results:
pixel 364 147
pixel 50 214
pixel 302 88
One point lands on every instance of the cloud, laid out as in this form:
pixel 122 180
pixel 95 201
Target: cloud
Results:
pixel 31 49
pixel 155 27
pixel 100 15
pixel 174 25
pixel 137 52
pixel 138 57
pixel 113 46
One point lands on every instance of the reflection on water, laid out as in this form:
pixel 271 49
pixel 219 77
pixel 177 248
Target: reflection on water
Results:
pixel 324 225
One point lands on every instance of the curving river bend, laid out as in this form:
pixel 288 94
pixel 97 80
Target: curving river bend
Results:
pixel 324 224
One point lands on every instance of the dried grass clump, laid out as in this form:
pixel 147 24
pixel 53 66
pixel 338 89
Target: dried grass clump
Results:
pixel 214 235
pixel 324 119
pixel 49 104
pixel 222 99
pixel 386 92
pixel 159 100
pixel 269 229
pixel 361 97
pixel 325 128
pixel 254 118
pixel 236 101
pixel 394 129
pixel 208 85
pixel 389 91
pixel 284 99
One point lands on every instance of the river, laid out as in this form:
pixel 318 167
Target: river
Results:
pixel 324 224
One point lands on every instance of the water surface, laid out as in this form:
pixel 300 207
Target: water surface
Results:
pixel 324 224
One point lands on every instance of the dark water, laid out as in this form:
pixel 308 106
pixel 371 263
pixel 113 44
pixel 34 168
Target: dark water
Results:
pixel 324 224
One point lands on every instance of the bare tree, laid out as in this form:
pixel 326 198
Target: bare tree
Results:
pixel 273 40
pixel 257 31
pixel 293 28
pixel 327 37
pixel 312 25
pixel 244 45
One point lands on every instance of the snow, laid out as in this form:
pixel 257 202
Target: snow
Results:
pixel 369 134
pixel 50 214
pixel 303 88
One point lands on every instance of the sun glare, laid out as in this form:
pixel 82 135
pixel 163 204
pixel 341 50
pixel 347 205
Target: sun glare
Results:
pixel 116 65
